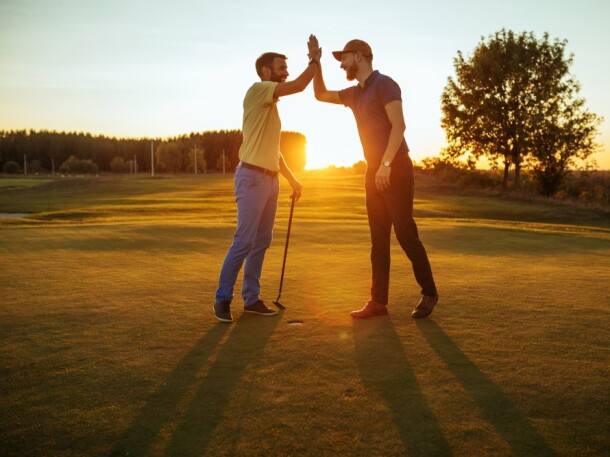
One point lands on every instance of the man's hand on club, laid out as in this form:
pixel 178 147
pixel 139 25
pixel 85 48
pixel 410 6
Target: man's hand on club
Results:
pixel 297 189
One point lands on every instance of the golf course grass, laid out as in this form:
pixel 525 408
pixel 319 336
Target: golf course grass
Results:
pixel 108 344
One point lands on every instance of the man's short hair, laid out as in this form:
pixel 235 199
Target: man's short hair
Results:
pixel 266 60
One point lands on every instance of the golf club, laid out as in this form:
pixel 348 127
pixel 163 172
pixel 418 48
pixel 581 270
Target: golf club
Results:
pixel 277 300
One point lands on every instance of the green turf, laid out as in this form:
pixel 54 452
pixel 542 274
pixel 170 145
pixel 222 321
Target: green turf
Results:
pixel 108 345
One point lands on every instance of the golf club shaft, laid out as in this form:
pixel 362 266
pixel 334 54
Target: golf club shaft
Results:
pixel 286 247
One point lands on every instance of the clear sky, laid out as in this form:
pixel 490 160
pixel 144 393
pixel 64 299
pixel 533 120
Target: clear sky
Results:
pixel 135 68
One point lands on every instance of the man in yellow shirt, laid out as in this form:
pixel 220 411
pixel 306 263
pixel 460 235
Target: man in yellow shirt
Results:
pixel 256 180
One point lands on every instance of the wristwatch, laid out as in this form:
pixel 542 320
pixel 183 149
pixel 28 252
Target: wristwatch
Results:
pixel 387 163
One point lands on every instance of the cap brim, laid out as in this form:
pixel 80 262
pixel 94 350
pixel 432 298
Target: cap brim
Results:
pixel 337 55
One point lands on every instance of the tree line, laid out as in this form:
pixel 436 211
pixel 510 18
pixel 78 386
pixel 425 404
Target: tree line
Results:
pixel 73 152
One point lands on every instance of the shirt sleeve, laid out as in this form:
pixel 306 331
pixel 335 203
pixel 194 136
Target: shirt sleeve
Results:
pixel 265 93
pixel 347 96
pixel 389 91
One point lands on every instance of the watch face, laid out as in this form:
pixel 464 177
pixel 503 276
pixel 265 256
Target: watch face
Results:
pixel 386 163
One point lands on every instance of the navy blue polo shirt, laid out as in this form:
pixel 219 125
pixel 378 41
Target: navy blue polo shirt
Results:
pixel 368 105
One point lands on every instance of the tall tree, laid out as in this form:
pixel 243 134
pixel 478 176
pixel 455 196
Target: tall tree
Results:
pixel 562 135
pixel 169 157
pixel 507 98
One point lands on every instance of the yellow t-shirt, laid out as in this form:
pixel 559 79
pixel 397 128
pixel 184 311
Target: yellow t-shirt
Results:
pixel 261 127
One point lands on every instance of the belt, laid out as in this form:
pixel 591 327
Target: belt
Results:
pixel 259 169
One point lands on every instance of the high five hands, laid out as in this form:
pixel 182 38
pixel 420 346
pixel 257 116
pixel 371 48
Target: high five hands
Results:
pixel 315 51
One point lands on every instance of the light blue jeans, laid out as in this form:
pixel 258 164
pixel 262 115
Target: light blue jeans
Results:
pixel 256 195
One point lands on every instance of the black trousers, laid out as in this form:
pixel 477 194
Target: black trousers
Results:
pixel 394 207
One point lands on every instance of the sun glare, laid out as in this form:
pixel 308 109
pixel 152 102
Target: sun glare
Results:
pixel 322 152
pixel 315 162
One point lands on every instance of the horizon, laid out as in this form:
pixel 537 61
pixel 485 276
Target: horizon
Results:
pixel 143 69
pixel 482 164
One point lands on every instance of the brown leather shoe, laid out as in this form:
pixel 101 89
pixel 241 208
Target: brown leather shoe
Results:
pixel 425 306
pixel 372 308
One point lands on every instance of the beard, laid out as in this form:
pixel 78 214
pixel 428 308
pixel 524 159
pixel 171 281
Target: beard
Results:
pixel 350 72
pixel 275 77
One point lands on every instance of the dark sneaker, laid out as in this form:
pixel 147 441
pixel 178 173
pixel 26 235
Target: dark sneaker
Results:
pixel 372 308
pixel 425 306
pixel 222 311
pixel 260 308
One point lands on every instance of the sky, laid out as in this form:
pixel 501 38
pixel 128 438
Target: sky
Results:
pixel 149 68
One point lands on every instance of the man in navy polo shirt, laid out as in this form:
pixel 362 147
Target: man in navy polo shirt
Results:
pixel 377 106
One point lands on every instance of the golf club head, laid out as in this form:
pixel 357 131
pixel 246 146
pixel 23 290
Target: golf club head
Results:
pixel 278 304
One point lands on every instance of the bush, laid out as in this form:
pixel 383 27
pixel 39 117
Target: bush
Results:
pixel 78 166
pixel 118 165
pixel 459 175
pixel 587 186
pixel 590 188
pixel 12 168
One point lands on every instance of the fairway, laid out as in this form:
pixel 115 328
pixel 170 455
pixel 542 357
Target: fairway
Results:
pixel 109 347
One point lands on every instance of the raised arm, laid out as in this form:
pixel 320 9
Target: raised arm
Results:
pixel 300 83
pixel 320 91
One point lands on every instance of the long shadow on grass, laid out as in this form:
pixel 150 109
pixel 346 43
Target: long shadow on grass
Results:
pixel 243 348
pixel 384 368
pixel 161 406
pixel 495 405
